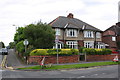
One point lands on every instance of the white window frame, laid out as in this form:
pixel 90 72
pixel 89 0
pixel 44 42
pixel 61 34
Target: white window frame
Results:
pixel 99 45
pixel 98 35
pixel 88 34
pixel 56 46
pixel 89 44
pixel 72 44
pixel 57 30
pixel 71 33
pixel 113 38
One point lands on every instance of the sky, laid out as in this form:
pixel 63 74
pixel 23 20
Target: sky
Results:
pixel 16 13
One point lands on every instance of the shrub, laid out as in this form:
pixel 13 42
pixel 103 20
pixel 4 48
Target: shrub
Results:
pixel 38 52
pixel 106 51
pixel 91 51
pixel 81 49
pixel 75 51
pixel 52 51
pixel 65 52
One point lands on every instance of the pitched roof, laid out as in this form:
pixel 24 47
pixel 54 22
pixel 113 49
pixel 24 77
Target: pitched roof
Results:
pixel 115 28
pixel 67 22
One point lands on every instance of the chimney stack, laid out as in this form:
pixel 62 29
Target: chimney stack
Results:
pixel 118 24
pixel 70 15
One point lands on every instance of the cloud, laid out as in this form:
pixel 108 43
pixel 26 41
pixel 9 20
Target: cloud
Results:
pixel 99 13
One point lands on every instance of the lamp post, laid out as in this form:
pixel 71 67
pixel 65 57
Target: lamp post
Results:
pixel 56 41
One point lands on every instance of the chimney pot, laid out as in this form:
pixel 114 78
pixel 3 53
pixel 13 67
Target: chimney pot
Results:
pixel 70 15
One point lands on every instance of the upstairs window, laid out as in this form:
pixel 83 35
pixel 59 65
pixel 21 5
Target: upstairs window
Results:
pixel 113 38
pixel 88 34
pixel 57 31
pixel 71 33
pixel 98 35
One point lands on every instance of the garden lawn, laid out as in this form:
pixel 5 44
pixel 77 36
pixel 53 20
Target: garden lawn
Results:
pixel 72 66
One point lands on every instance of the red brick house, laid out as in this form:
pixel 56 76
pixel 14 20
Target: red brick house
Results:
pixel 111 36
pixel 76 33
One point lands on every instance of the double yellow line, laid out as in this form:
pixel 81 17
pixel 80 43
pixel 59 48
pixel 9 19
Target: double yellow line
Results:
pixel 4 61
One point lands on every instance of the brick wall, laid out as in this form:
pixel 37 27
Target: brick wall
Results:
pixel 69 59
pixel 100 57
pixel 53 59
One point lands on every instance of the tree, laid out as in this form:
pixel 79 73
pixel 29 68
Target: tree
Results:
pixel 20 47
pixel 40 35
pixel 3 45
pixel 19 36
pixel 11 45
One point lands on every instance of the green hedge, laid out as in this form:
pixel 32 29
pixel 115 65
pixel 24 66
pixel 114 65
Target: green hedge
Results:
pixel 38 52
pixel 88 51
pixel 91 51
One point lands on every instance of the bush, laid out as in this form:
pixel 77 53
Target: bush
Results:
pixel 81 49
pixel 52 51
pixel 65 52
pixel 91 51
pixel 75 51
pixel 38 52
pixel 106 51
pixel 20 47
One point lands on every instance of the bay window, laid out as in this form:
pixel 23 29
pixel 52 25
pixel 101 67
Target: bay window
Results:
pixel 72 44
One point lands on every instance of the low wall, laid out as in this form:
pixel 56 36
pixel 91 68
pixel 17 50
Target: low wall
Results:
pixel 69 59
pixel 53 59
pixel 100 57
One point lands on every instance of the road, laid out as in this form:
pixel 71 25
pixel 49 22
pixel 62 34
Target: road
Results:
pixel 12 60
pixel 101 72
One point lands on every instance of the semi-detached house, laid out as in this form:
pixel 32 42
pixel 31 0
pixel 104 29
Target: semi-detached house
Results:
pixel 75 33
pixel 111 37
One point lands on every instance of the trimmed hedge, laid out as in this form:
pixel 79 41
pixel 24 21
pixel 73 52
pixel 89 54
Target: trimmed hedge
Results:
pixel 38 52
pixel 91 51
pixel 88 51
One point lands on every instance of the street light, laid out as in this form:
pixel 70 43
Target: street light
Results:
pixel 56 41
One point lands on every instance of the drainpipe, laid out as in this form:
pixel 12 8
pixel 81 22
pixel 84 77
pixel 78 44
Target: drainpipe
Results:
pixel 95 40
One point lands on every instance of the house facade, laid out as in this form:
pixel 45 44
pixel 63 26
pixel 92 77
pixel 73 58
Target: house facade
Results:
pixel 111 36
pixel 74 33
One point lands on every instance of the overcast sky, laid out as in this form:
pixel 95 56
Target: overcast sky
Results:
pixel 99 13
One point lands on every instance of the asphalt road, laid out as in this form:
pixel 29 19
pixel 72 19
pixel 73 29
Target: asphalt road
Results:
pixel 101 72
pixel 12 60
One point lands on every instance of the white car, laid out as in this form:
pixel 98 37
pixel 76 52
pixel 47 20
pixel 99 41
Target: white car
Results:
pixel 3 51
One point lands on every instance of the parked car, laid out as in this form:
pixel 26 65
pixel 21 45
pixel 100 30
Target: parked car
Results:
pixel 3 51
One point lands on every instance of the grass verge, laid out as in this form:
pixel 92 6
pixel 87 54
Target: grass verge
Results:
pixel 72 66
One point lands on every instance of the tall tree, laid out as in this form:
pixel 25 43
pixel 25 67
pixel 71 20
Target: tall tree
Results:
pixel 19 36
pixel 40 35
pixel 3 45
pixel 11 45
